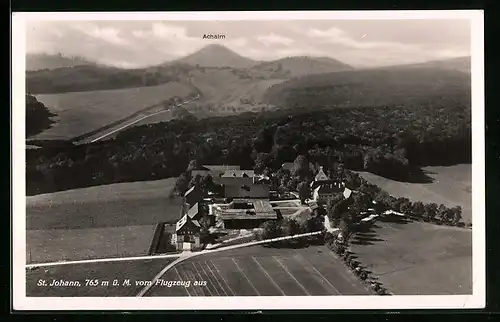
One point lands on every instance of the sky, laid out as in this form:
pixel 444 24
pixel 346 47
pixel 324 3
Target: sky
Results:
pixel 360 43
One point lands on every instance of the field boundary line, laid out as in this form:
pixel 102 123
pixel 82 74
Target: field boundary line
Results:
pixel 319 273
pixel 162 272
pixel 180 279
pixel 191 276
pixel 102 260
pixel 218 282
pixel 205 273
pixel 127 125
pixel 246 277
pixel 201 278
pixel 269 276
pixel 223 279
pixel 289 273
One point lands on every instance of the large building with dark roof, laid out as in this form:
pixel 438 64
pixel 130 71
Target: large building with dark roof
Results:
pixel 244 214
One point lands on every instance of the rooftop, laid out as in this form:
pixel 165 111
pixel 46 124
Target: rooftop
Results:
pixel 184 220
pixel 193 211
pixel 217 167
pixel 232 173
pixel 321 176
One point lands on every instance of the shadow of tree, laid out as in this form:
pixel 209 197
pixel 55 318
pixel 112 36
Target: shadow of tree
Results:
pixel 414 175
pixel 393 219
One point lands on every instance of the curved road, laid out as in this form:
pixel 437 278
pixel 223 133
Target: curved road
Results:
pixel 119 127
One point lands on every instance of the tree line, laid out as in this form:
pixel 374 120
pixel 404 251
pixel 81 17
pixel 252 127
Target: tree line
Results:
pixel 38 116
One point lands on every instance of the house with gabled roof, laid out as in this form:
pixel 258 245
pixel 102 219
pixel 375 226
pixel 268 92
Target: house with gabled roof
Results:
pixel 327 191
pixel 321 178
pixel 187 234
pixel 194 212
pixel 193 196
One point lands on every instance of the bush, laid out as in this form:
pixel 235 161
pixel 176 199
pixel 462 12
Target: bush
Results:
pixel 381 291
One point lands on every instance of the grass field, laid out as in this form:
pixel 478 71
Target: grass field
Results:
pixel 451 186
pixel 82 112
pixel 260 271
pixel 51 245
pixel 114 205
pixel 97 222
pixel 138 270
pixel 412 258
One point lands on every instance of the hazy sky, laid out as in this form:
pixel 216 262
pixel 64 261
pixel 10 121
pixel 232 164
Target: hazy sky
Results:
pixel 355 42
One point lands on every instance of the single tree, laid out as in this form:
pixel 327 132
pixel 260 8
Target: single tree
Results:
pixel 303 189
pixel 418 209
pixel 457 215
pixel 182 183
pixel 270 229
pixel 301 168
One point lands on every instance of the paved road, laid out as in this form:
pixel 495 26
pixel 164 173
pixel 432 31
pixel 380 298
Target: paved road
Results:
pixel 129 123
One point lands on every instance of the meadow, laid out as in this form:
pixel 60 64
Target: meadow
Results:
pixel 261 271
pixel 82 112
pixel 448 185
pixel 413 258
pixel 52 245
pixel 97 222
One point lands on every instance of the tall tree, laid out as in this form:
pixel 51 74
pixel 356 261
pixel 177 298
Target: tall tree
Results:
pixel 182 183
pixel 301 168
pixel 303 189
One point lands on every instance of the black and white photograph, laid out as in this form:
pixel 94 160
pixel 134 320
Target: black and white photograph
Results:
pixel 248 160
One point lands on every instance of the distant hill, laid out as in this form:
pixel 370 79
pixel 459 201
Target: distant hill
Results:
pixel 47 61
pixel 373 87
pixel 92 77
pixel 303 65
pixel 217 56
pixel 462 64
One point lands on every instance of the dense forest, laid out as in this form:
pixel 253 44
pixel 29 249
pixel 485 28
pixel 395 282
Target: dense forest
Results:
pixel 392 141
pixel 37 116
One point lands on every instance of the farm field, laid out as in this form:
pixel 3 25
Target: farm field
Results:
pixel 261 271
pixel 52 245
pixel 114 205
pixel 97 222
pixel 413 258
pixel 137 270
pixel 451 186
pixel 81 112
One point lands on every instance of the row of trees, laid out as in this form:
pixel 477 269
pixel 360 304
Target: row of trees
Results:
pixel 289 227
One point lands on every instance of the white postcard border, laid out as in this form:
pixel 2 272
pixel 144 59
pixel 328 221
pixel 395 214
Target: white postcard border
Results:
pixel 21 302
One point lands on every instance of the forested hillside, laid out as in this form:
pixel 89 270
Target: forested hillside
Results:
pixel 90 78
pixel 47 61
pixel 374 87
pixel 37 116
pixel 388 140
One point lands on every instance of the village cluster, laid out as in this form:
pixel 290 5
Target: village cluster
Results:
pixel 244 202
